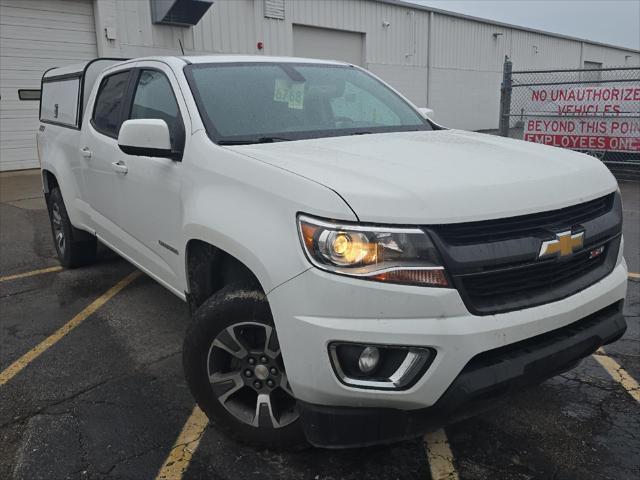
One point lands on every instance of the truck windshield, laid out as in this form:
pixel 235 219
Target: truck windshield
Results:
pixel 244 103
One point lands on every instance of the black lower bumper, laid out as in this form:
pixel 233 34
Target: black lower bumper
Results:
pixel 487 375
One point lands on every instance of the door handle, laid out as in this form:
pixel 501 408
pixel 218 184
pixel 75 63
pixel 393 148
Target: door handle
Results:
pixel 120 167
pixel 86 153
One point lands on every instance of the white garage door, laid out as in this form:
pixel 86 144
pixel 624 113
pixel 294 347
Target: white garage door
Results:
pixel 325 43
pixel 35 35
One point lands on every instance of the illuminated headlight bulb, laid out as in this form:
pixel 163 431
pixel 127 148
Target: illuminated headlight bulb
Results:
pixel 341 244
pixel 369 359
pixel 346 248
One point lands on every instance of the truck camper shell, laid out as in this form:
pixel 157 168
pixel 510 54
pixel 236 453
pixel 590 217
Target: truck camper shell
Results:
pixel 66 90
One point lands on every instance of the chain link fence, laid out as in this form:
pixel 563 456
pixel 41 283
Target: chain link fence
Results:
pixel 593 110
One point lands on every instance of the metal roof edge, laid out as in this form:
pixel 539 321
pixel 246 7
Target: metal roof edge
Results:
pixel 417 6
pixel 79 69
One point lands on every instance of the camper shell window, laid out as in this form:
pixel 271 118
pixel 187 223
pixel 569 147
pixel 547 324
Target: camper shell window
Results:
pixel 60 101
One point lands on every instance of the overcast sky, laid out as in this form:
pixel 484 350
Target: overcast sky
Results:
pixel 609 21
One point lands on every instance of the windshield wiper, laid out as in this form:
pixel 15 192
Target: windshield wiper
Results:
pixel 250 141
pixel 273 139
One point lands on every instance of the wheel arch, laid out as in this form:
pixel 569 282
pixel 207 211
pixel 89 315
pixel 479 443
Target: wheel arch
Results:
pixel 210 268
pixel 49 181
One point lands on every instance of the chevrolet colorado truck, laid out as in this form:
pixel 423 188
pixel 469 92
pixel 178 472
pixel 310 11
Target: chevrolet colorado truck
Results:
pixel 357 274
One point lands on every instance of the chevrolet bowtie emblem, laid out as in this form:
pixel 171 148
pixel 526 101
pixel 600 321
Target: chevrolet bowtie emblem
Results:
pixel 564 244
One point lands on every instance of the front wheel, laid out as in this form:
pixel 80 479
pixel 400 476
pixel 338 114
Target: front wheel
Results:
pixel 235 371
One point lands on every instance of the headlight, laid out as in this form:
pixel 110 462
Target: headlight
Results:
pixel 385 254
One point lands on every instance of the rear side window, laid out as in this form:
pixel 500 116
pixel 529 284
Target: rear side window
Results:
pixel 154 99
pixel 107 113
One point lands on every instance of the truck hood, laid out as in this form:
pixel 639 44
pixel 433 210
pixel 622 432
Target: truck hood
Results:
pixel 443 176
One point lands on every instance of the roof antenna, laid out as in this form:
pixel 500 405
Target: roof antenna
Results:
pixel 181 47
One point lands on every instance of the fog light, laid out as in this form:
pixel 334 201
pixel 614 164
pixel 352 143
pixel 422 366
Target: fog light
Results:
pixel 369 359
pixel 383 367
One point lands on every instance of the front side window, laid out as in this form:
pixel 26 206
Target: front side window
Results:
pixel 154 99
pixel 257 102
pixel 107 114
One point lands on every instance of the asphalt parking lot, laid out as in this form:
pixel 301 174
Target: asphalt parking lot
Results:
pixel 107 399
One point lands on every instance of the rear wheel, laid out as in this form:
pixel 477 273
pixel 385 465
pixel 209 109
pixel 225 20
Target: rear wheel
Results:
pixel 234 368
pixel 75 247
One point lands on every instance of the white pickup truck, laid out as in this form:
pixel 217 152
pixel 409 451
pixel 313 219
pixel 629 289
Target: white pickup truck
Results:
pixel 357 273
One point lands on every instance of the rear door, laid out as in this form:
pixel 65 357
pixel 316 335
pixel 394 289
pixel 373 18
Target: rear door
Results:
pixel 99 152
pixel 150 213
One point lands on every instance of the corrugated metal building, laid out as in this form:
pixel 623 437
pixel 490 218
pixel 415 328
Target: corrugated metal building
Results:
pixel 449 62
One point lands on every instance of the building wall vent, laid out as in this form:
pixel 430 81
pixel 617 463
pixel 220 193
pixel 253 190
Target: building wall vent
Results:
pixel 274 9
pixel 184 13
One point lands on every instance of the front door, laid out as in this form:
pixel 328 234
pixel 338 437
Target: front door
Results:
pixel 150 212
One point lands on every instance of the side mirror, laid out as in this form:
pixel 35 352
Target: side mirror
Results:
pixel 426 112
pixel 146 138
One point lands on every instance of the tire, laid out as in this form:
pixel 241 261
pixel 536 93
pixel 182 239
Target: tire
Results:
pixel 225 341
pixel 75 247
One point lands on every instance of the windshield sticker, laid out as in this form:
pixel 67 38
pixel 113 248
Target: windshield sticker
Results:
pixel 291 93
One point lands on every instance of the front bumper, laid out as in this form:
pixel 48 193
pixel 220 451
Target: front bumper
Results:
pixel 498 371
pixel 316 308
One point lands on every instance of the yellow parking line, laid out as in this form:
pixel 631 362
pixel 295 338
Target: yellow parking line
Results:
pixel 635 276
pixel 30 274
pixel 15 368
pixel 618 373
pixel 439 456
pixel 185 446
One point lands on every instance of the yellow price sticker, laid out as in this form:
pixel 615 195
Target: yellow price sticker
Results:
pixel 292 93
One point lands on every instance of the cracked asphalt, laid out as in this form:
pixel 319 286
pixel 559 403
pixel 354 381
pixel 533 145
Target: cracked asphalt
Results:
pixel 109 400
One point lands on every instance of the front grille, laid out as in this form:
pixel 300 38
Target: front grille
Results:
pixel 495 265
pixel 525 225
pixel 527 285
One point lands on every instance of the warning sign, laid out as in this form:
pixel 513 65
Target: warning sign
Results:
pixel 585 118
